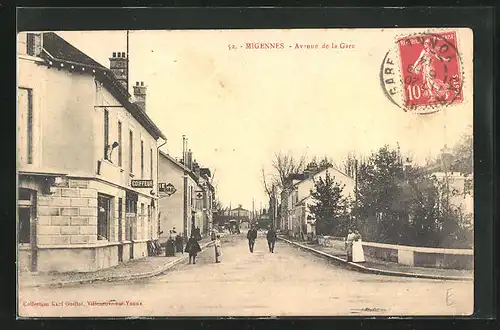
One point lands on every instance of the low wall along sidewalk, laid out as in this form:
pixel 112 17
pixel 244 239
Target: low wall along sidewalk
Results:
pixel 410 255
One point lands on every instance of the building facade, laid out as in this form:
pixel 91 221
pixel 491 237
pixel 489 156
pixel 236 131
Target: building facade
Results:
pixel 296 219
pixel 81 142
pixel 191 205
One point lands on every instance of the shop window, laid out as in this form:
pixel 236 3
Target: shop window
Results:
pixel 103 218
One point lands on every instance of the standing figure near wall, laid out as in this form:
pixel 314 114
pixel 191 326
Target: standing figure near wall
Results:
pixel 349 245
pixel 179 243
pixel 357 248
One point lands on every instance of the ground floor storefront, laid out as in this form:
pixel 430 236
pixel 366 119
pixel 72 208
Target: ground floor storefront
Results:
pixel 69 224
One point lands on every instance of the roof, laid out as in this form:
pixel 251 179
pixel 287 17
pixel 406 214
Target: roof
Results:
pixel 239 209
pixel 181 166
pixel 324 170
pixel 60 51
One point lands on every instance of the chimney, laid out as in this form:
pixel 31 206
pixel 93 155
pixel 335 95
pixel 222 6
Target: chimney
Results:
pixel 140 95
pixel 118 65
pixel 196 168
pixel 189 160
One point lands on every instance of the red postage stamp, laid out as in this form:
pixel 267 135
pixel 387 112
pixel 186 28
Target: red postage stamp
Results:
pixel 431 73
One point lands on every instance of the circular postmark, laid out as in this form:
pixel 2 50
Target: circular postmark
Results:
pixel 421 73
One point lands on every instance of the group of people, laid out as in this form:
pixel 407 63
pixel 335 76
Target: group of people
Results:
pixel 354 247
pixel 252 237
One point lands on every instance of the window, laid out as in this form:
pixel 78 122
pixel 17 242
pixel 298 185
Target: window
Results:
pixel 106 134
pixel 142 159
pixel 103 217
pixel 131 152
pixel 119 143
pixel 151 163
pixel 25 125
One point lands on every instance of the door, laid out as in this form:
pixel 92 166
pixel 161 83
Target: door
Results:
pixel 26 228
pixel 120 237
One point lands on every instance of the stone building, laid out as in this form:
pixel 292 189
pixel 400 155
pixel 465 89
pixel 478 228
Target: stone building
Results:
pixel 81 145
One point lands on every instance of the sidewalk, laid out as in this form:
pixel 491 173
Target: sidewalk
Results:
pixel 135 269
pixel 382 267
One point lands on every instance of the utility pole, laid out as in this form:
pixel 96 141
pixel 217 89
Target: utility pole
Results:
pixel 184 144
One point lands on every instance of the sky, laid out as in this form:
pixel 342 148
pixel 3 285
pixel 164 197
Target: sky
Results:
pixel 238 107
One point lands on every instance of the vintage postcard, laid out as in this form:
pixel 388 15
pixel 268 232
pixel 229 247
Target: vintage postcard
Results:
pixel 290 172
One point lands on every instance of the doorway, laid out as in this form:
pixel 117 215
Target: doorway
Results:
pixel 26 227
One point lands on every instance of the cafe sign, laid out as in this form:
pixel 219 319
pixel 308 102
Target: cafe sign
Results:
pixel 141 183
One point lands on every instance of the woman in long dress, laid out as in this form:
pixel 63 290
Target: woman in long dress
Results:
pixel 357 249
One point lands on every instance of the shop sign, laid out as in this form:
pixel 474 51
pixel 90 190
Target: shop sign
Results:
pixel 141 183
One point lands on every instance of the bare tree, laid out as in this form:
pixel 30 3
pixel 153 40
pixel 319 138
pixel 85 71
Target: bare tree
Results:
pixel 284 165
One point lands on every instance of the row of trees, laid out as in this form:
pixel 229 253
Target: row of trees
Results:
pixel 397 203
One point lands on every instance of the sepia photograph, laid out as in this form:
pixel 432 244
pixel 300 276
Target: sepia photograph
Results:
pixel 245 172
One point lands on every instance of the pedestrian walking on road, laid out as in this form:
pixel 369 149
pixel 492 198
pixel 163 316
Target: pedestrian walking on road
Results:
pixel 252 236
pixel 218 249
pixel 192 247
pixel 271 239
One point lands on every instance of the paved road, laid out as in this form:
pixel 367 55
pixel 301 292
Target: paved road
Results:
pixel 288 282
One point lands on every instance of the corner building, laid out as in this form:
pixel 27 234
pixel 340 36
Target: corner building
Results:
pixel 81 141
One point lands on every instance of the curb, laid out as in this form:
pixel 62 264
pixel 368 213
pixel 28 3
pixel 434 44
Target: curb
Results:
pixel 368 270
pixel 118 278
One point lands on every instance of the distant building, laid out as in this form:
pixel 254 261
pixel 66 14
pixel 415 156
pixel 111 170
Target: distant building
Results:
pixel 296 218
pixel 240 214
pixel 191 204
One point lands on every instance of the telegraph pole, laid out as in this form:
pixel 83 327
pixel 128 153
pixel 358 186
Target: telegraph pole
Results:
pixel 184 142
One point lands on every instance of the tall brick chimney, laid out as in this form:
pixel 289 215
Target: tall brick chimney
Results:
pixel 140 95
pixel 118 65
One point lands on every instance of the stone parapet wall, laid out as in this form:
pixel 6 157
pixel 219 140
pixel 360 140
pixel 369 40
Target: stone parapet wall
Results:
pixel 410 255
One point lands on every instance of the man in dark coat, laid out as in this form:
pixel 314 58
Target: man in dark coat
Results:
pixel 251 236
pixel 192 247
pixel 271 239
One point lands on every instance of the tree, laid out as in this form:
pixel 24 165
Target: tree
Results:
pixel 283 165
pixel 379 209
pixel 462 154
pixel 330 207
